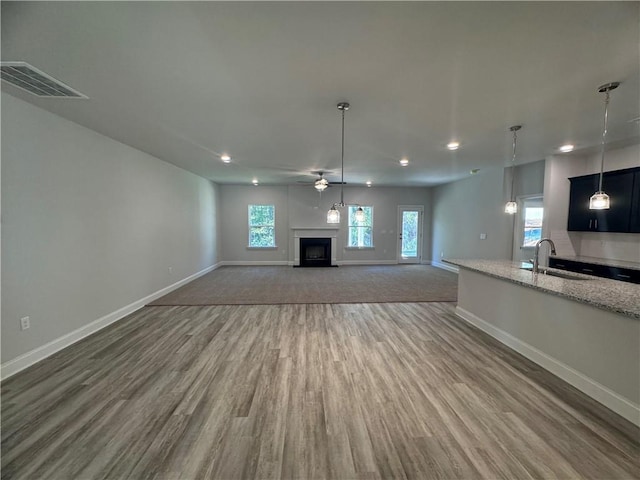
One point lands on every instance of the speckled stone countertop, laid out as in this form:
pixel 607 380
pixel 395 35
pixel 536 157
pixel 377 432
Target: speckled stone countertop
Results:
pixel 612 295
pixel 601 261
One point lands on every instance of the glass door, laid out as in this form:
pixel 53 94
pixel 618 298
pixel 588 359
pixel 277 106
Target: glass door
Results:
pixel 410 233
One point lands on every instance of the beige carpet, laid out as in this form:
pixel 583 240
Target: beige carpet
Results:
pixel 345 284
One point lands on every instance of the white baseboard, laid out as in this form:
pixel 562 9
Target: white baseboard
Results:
pixel 445 266
pixel 25 360
pixel 249 263
pixel 587 385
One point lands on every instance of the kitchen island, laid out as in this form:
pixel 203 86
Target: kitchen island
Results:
pixel 584 329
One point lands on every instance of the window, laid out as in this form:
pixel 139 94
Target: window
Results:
pixel 532 225
pixel 360 233
pixel 262 226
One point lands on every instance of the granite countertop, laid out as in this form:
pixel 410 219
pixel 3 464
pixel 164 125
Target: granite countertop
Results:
pixel 601 261
pixel 612 295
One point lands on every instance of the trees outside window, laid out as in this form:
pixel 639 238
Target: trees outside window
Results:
pixel 360 233
pixel 262 226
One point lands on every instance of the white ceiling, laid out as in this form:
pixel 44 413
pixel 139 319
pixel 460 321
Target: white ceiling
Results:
pixel 188 81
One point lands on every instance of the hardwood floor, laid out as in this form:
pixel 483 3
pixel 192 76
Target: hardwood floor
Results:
pixel 362 391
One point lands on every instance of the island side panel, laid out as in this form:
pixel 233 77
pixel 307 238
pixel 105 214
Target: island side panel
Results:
pixel 597 344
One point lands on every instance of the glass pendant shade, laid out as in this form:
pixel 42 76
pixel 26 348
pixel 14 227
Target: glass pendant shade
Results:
pixel 599 201
pixel 359 215
pixel 333 215
pixel 511 208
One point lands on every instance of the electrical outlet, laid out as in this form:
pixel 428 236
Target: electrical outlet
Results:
pixel 483 236
pixel 170 270
pixel 25 323
pixel 441 254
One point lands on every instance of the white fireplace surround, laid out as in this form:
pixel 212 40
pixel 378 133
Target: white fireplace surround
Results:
pixel 322 232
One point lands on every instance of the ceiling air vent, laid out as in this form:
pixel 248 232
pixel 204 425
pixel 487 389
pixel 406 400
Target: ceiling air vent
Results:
pixel 29 78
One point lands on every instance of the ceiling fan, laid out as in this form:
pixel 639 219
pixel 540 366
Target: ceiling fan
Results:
pixel 321 183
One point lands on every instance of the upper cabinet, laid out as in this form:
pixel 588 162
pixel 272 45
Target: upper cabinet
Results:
pixel 623 188
pixel 634 223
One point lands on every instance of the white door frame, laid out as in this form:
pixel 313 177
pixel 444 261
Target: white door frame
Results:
pixel 420 210
pixel 521 253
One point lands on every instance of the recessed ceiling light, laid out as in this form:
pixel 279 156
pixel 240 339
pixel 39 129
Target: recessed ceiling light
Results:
pixel 225 158
pixel 368 183
pixel 566 148
pixel 453 145
pixel 255 181
pixel 404 162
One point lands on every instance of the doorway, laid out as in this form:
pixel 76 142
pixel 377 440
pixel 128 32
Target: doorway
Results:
pixel 410 220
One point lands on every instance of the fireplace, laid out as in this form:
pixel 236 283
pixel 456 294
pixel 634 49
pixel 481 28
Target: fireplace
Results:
pixel 315 252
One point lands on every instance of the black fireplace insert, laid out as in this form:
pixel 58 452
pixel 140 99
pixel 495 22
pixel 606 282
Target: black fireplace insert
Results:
pixel 315 252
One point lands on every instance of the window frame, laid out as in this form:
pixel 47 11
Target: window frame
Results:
pixel 350 226
pixel 533 203
pixel 250 227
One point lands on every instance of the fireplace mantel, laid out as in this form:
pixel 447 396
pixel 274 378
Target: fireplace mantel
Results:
pixel 311 232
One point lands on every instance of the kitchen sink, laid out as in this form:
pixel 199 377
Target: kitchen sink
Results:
pixel 566 276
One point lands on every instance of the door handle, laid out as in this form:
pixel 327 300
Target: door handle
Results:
pixel 596 223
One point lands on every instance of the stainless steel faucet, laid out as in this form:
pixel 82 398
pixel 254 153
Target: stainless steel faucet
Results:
pixel 537 252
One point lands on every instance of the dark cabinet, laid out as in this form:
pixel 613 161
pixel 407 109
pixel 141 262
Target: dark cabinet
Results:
pixel 634 222
pixel 622 187
pixel 596 269
pixel 580 217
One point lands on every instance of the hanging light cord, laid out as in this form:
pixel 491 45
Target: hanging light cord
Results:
pixel 604 135
pixel 513 162
pixel 342 184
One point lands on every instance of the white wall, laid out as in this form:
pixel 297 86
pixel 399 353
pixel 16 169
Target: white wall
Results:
pixel 234 232
pixel 464 209
pixel 558 169
pixel 529 179
pixel 303 207
pixel 89 226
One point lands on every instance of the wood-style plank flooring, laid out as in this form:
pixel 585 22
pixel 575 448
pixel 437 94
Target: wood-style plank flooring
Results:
pixel 353 391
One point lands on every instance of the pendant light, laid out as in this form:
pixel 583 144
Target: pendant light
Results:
pixel 333 215
pixel 359 216
pixel 512 207
pixel 600 200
